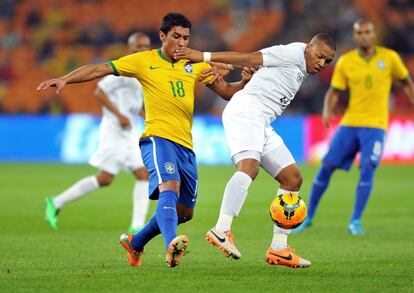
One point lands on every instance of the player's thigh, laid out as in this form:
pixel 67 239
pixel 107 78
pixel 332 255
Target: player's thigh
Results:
pixel 276 155
pixel 160 159
pixel 244 129
pixel 372 145
pixel 343 148
pixel 189 178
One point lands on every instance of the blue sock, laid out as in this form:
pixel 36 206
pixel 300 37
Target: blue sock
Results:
pixel 166 214
pixel 149 231
pixel 318 188
pixel 363 190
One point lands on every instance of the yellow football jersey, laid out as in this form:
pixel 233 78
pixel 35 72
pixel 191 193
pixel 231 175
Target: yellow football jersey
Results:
pixel 369 83
pixel 168 92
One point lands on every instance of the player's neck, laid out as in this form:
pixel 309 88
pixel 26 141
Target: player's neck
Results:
pixel 367 53
pixel 166 56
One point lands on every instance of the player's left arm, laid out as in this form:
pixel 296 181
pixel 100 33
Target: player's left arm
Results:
pixel 227 90
pixel 408 86
pixel 400 72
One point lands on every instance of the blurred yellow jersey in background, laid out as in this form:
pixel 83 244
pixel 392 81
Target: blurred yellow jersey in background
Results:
pixel 369 82
pixel 168 92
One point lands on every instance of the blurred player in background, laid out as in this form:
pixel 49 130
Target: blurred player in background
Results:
pixel 367 72
pixel 122 100
pixel 166 143
pixel 253 142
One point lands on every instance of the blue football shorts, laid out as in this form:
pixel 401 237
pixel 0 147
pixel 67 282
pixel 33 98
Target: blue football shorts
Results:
pixel 166 160
pixel 348 141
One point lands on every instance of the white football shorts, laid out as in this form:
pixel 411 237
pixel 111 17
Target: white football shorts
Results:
pixel 250 135
pixel 117 151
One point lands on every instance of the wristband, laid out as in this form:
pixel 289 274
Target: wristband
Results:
pixel 230 67
pixel 206 56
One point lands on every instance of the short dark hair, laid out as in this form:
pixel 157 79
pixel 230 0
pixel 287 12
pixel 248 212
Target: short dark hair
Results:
pixel 174 19
pixel 327 39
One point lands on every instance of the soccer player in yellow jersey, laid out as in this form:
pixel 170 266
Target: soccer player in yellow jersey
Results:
pixel 166 144
pixel 367 72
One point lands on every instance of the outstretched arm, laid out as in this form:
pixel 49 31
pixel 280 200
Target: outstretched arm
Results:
pixel 236 58
pixel 329 104
pixel 106 102
pixel 408 86
pixel 227 90
pixel 82 74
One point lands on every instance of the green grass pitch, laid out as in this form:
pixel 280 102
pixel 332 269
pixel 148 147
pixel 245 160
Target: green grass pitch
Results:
pixel 84 254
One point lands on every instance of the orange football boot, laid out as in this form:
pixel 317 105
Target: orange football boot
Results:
pixel 286 257
pixel 134 257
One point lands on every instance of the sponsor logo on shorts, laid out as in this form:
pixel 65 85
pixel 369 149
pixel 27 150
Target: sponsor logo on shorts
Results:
pixel 169 167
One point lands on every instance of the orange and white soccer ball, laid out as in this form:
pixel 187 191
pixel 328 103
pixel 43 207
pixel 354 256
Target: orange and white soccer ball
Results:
pixel 288 210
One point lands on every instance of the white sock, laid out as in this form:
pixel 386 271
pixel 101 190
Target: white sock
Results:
pixel 283 191
pixel 234 196
pixel 140 203
pixel 78 190
pixel 280 235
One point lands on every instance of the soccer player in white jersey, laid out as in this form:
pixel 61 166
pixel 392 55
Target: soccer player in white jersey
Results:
pixel 253 142
pixel 122 101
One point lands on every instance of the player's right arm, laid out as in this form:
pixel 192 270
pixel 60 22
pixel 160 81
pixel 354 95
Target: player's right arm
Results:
pixel 338 84
pixel 106 102
pixel 329 105
pixel 236 58
pixel 82 74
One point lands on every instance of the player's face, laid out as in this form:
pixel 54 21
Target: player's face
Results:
pixel 139 45
pixel 177 37
pixel 318 55
pixel 364 35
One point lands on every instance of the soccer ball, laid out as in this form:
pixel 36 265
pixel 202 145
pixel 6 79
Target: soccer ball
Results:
pixel 288 210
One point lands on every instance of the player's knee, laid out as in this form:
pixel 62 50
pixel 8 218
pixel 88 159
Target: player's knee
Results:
pixel 249 166
pixel 104 180
pixel 173 185
pixel 367 173
pixel 141 174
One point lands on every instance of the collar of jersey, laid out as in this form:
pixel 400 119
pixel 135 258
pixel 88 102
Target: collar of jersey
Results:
pixel 165 59
pixel 370 58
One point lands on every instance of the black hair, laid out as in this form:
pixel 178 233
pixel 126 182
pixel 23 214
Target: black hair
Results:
pixel 327 39
pixel 174 19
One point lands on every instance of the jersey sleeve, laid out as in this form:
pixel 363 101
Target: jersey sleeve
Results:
pixel 399 71
pixel 338 80
pixel 129 65
pixel 277 55
pixel 202 67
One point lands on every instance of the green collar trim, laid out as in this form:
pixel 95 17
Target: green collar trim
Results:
pixel 370 58
pixel 164 58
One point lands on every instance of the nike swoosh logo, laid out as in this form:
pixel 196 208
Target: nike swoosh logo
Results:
pixel 222 240
pixel 289 257
pixel 154 67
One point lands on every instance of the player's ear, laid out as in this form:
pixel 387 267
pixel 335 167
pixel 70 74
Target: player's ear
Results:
pixel 162 36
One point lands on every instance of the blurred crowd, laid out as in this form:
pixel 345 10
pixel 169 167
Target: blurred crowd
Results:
pixel 40 39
